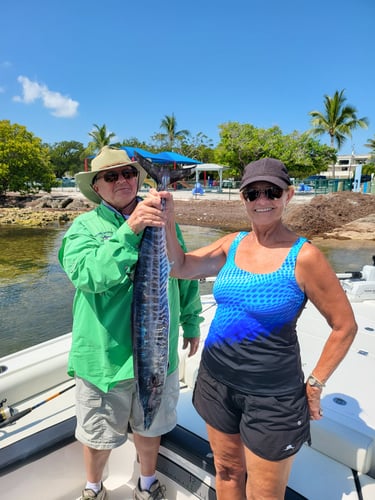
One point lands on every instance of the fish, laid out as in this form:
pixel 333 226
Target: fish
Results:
pixel 150 308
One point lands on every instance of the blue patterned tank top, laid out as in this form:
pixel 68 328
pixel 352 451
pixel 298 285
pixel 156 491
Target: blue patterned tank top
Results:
pixel 252 343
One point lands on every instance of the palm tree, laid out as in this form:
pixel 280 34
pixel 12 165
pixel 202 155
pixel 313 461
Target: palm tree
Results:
pixel 371 144
pixel 169 125
pixel 338 120
pixel 101 137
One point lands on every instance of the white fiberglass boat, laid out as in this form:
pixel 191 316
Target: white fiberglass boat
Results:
pixel 39 457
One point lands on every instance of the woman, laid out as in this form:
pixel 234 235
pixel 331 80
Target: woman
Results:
pixel 250 388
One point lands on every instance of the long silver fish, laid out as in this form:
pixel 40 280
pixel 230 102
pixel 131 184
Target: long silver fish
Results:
pixel 150 309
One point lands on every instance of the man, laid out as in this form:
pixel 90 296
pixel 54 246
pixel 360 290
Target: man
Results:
pixel 99 253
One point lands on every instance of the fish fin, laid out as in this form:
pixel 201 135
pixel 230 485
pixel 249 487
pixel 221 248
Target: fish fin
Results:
pixel 152 170
pixel 181 173
pixel 160 172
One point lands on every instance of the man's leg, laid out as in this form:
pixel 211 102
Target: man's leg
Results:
pixel 95 461
pixel 147 442
pixel 148 485
pixel 147 450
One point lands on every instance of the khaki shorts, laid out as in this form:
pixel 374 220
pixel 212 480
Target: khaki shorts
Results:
pixel 103 417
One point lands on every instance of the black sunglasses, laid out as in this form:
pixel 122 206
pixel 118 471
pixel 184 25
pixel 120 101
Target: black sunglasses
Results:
pixel 114 176
pixel 272 193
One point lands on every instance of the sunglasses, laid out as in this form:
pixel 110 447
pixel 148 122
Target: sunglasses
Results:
pixel 272 193
pixel 114 176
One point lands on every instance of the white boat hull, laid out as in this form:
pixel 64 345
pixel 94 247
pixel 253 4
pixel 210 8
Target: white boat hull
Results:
pixel 40 458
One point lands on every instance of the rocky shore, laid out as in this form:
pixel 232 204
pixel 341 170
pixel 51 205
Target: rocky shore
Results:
pixel 341 215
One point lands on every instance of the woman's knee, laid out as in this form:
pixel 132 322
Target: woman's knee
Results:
pixel 228 470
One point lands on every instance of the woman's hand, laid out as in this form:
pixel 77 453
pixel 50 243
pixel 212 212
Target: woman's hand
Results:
pixel 313 401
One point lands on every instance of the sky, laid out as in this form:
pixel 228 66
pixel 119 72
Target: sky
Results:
pixel 65 66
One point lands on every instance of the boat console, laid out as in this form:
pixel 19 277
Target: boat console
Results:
pixel 362 287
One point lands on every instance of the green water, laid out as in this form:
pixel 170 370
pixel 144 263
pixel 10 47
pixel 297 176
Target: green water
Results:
pixel 36 296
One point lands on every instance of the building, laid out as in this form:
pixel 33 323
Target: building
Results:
pixel 345 166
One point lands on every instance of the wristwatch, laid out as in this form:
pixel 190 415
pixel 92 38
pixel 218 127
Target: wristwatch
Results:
pixel 314 382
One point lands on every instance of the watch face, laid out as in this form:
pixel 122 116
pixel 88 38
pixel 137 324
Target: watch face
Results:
pixel 313 382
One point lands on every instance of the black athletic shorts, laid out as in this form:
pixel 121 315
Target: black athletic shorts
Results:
pixel 272 427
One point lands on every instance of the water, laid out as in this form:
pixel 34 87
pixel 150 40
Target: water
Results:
pixel 36 296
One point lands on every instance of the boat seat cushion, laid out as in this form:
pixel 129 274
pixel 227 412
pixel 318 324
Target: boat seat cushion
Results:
pixel 348 446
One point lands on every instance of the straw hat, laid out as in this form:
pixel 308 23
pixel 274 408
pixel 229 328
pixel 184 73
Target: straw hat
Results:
pixel 108 157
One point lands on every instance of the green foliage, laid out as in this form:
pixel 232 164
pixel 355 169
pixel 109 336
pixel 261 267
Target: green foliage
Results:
pixel 171 135
pixel 338 119
pixel 133 142
pixel 67 157
pixel 199 147
pixel 24 161
pixel 101 137
pixel 368 168
pixel 371 144
pixel 242 143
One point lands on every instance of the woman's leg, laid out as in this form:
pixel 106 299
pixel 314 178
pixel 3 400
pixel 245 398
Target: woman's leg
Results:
pixel 230 465
pixel 266 479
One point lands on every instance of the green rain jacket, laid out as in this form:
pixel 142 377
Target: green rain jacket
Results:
pixel 99 252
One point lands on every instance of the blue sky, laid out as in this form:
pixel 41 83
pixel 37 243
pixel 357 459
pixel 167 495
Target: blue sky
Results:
pixel 65 66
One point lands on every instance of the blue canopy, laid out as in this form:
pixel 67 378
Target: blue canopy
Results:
pixel 171 157
pixel 146 154
pixel 164 157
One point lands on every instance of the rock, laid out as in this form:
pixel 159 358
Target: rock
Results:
pixel 342 215
pixel 330 212
pixel 360 229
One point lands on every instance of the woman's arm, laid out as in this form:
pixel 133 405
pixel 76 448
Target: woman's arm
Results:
pixel 323 288
pixel 200 263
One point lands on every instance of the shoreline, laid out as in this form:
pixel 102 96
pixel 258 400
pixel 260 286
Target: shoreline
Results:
pixel 342 215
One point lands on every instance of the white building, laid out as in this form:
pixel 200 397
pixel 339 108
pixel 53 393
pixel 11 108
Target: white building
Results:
pixel 345 165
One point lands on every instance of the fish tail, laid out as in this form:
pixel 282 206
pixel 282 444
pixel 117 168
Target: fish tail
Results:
pixel 161 174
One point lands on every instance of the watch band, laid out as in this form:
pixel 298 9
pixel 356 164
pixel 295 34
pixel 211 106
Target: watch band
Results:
pixel 314 382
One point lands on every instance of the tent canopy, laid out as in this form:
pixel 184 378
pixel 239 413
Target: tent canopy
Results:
pixel 146 154
pixel 164 157
pixel 171 157
pixel 210 167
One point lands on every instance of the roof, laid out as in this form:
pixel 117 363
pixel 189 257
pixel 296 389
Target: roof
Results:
pixel 163 157
pixel 210 167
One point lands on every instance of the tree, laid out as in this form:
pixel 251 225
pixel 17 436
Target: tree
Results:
pixel 243 143
pixel 371 144
pixel 101 137
pixel 305 156
pixel 239 144
pixel 24 161
pixel 199 147
pixel 171 135
pixel 134 142
pixel 67 157
pixel 338 120
pixel 369 168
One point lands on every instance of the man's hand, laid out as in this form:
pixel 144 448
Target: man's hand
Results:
pixel 194 344
pixel 149 212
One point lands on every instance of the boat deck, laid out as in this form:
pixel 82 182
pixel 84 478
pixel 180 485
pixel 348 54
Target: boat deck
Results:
pixel 39 456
